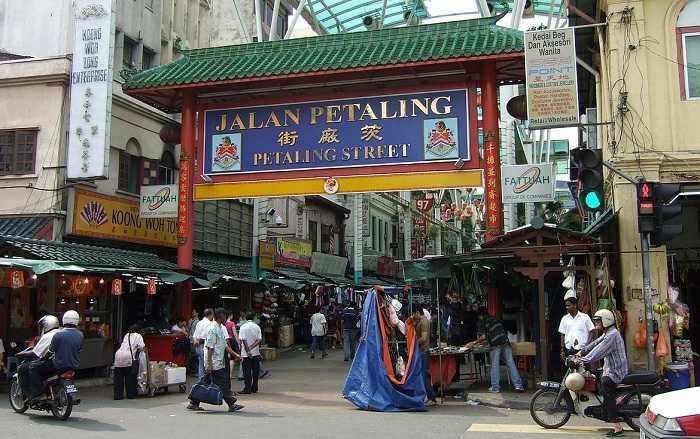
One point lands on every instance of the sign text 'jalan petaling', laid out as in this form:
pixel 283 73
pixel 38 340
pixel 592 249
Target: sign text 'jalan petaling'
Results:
pixel 397 129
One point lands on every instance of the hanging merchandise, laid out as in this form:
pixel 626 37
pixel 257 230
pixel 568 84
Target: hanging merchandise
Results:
pixel 116 287
pixel 16 279
pixel 662 349
pixel 640 337
pixel 151 289
pixel 258 301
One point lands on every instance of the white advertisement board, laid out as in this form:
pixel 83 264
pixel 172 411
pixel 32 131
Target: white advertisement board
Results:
pixel 527 183
pixel 158 201
pixel 91 89
pixel 550 67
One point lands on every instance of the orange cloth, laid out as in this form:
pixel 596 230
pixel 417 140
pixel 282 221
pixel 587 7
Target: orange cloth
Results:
pixel 445 376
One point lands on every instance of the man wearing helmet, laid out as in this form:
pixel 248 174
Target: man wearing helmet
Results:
pixel 611 348
pixel 48 327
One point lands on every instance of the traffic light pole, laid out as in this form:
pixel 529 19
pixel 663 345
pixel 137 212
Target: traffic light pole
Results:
pixel 646 282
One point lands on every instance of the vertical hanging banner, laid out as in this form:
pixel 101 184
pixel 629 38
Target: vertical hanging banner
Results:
pixel 492 190
pixel 550 67
pixel 151 289
pixel 91 89
pixel 184 199
pixel 116 287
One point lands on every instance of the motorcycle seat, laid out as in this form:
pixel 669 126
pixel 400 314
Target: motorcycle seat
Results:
pixel 645 377
pixel 66 375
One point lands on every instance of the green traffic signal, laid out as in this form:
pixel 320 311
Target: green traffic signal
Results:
pixel 593 201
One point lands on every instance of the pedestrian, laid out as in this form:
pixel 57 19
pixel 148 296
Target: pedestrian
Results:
pixel 216 347
pixel 492 330
pixel 193 364
pixel 200 334
pixel 422 327
pixel 332 321
pixel 233 340
pixel 576 329
pixel 250 336
pixel 350 318
pixel 179 327
pixel 319 327
pixel 126 364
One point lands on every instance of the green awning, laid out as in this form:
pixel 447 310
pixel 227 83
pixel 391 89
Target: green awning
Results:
pixel 289 283
pixel 300 275
pixel 218 267
pixel 38 266
pixel 432 268
pixel 336 279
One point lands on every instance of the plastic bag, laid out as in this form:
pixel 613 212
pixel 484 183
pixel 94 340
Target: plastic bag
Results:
pixel 661 345
pixel 640 337
pixel 400 368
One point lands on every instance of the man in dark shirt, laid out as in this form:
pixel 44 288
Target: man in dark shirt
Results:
pixel 491 329
pixel 349 318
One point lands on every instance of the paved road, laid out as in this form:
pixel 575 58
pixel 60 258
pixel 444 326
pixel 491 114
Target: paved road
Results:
pixel 300 399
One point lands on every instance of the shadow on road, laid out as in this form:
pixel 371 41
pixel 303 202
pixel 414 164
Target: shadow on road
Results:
pixel 77 422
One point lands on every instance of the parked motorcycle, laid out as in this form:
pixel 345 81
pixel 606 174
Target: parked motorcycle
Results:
pixel 578 394
pixel 60 393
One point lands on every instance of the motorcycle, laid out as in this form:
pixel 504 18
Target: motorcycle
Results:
pixel 553 404
pixel 60 393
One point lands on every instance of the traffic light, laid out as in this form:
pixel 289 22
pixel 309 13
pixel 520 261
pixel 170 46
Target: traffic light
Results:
pixel 646 218
pixel 663 194
pixel 587 168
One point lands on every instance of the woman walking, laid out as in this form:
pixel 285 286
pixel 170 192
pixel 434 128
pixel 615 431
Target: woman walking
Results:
pixel 126 364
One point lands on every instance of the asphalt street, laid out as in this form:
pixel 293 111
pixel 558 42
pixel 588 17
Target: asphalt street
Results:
pixel 300 399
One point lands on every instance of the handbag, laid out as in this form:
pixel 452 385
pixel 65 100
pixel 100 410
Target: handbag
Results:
pixel 207 393
pixel 134 358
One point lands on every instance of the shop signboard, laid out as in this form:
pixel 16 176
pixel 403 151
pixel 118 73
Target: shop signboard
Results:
pixel 106 217
pixel 91 89
pixel 151 287
pixel 266 253
pixel 116 287
pixel 386 266
pixel 550 68
pixel 527 183
pixel 159 201
pixel 416 128
pixel 323 263
pixel 293 251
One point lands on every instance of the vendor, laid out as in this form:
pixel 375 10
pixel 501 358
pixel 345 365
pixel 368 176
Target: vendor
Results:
pixel 491 329
pixel 422 326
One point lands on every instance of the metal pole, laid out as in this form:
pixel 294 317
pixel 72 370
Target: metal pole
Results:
pixel 646 276
pixel 258 20
pixel 357 239
pixel 273 23
pixel 442 384
pixel 295 17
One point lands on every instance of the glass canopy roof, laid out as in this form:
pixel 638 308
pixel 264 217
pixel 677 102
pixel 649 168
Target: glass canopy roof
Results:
pixel 340 16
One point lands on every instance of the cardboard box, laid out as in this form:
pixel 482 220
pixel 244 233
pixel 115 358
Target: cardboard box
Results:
pixel 526 348
pixel 157 373
pixel 268 354
pixel 175 375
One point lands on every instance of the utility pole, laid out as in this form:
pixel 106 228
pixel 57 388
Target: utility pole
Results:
pixel 646 282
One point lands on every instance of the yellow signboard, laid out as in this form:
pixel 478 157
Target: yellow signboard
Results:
pixel 266 251
pixel 102 216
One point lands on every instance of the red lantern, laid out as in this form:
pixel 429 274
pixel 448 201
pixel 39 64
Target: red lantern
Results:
pixel 16 279
pixel 116 287
pixel 151 286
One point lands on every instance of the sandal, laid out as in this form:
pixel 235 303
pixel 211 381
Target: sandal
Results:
pixel 613 433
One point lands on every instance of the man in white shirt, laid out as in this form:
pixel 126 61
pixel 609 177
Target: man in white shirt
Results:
pixel 250 336
pixel 319 327
pixel 576 329
pixel 200 334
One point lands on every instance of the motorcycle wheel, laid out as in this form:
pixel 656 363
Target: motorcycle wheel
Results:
pixel 17 398
pixel 545 414
pixel 634 408
pixel 62 405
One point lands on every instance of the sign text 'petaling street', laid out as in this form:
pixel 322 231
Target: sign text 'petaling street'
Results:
pixel 370 131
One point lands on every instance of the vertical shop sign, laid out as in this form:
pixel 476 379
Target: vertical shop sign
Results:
pixel 266 252
pixel 151 289
pixel 184 199
pixel 117 287
pixel 91 89
pixel 16 279
pixel 492 191
pixel 550 67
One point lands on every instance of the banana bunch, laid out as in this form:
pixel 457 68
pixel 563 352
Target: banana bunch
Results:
pixel 662 309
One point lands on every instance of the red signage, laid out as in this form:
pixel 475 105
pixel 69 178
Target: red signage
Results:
pixel 116 287
pixel 184 199
pixel 151 289
pixel 16 279
pixel 492 190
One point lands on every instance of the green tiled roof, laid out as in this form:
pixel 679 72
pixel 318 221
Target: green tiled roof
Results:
pixel 299 275
pixel 86 255
pixel 425 43
pixel 239 269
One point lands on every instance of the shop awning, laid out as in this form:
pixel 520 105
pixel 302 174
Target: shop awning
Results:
pixel 35 227
pixel 218 267
pixel 336 279
pixel 369 281
pixel 288 283
pixel 300 275
pixel 427 268
pixel 38 266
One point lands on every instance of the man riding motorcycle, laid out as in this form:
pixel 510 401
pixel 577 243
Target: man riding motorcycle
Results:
pixel 62 354
pixel 611 348
pixel 48 326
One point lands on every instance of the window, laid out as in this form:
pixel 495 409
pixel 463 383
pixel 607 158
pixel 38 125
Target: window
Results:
pixel 380 240
pixel 688 42
pixel 129 55
pixel 166 169
pixel 149 58
pixel 374 233
pixel 17 152
pixel 559 147
pixel 313 235
pixel 129 170
pixel 386 236
pixel 326 232
pixel 561 167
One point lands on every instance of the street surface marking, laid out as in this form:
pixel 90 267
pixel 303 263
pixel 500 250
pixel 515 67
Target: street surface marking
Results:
pixel 532 429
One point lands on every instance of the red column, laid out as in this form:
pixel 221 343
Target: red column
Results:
pixel 492 170
pixel 185 216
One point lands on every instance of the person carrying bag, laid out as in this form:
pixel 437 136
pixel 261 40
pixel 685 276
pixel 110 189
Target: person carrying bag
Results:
pixel 126 364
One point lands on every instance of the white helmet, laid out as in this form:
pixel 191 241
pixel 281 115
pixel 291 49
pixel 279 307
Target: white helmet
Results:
pixel 48 323
pixel 71 318
pixel 606 317
pixel 575 381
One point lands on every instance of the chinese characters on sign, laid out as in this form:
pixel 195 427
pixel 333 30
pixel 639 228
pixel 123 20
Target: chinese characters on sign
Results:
pixel 550 66
pixel 492 191
pixel 91 89
pixel 366 131
pixel 184 199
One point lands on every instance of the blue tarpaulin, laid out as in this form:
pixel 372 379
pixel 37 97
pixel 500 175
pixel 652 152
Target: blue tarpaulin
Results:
pixel 368 385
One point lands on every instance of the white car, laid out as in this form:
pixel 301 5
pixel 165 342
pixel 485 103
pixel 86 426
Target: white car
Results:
pixel 672 415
